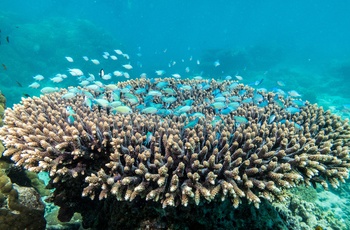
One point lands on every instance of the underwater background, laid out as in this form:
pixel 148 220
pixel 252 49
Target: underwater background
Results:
pixel 289 45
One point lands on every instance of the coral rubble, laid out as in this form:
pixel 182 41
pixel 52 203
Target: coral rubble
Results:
pixel 244 155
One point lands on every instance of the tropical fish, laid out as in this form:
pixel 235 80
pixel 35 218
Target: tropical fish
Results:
pixel 68 95
pixel 88 102
pixel 155 93
pixel 192 124
pixel 69 59
pixel 101 73
pixel 119 52
pixel 4 66
pixel 149 110
pixel 117 73
pixel 69 110
pixel 169 91
pixel 127 66
pixel 176 75
pixel 294 93
pixel 75 72
pixel 240 119
pixel 113 57
pixel 160 72
pixel 123 109
pixel 70 119
pixel 149 136
pixel 169 99
pixel 216 63
pixel 95 61
pixel 216 121
pixel 102 102
pixel 34 85
pixel 48 90
pixel 240 78
pixel 106 77
pixel 183 109
pixel 162 84
pixel 85 58
pixel 218 105
pixel 38 77
pixel 281 83
pixel 292 110
pixel 56 79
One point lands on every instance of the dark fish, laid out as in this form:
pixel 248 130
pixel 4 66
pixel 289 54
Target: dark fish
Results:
pixel 102 73
pixel 26 95
pixel 3 65
pixel 7 39
pixel 19 84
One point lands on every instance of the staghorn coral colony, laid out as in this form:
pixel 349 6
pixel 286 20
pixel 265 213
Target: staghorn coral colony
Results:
pixel 173 141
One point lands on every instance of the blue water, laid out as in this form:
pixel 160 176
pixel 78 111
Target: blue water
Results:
pixel 303 43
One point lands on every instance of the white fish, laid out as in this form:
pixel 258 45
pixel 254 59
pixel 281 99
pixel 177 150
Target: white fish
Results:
pixel 102 102
pixel 95 61
pixel 127 66
pixel 56 79
pixel 216 63
pixel 47 90
pixel 119 52
pixel 39 77
pixel 106 53
pixel 126 56
pixel 143 75
pixel 68 95
pixel 113 57
pixel 100 84
pixel 111 87
pixel 105 56
pixel 187 69
pixel 93 87
pixel 117 73
pixel 91 77
pixel 198 62
pixel 160 72
pixel 198 77
pixel 106 77
pixel 126 75
pixel 176 75
pixel 62 75
pixel 123 109
pixel 76 72
pixel 34 85
pixel 85 58
pixel 240 78
pixel 281 83
pixel 69 59
pixel 84 83
pixel 294 93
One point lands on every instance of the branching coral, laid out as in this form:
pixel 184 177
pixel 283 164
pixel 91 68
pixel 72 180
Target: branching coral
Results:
pixel 242 155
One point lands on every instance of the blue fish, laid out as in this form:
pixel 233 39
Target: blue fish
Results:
pixel 292 110
pixel 70 119
pixel 192 124
pixel 149 136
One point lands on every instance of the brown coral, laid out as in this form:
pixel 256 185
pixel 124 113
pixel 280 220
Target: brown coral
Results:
pixel 229 159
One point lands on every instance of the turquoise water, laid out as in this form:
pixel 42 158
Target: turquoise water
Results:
pixel 290 45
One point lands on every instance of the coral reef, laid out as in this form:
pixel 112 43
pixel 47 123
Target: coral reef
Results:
pixel 241 156
pixel 20 207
